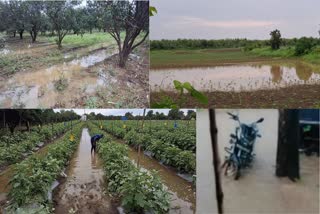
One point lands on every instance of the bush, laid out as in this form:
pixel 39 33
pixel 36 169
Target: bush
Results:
pixel 304 46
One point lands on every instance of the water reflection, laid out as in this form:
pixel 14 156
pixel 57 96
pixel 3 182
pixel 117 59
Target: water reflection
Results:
pixel 236 77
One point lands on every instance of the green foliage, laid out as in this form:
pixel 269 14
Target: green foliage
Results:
pixel 181 88
pixel 304 46
pixel 152 11
pixel 33 177
pixel 275 40
pixel 140 191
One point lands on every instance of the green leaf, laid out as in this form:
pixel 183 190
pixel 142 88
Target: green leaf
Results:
pixel 152 11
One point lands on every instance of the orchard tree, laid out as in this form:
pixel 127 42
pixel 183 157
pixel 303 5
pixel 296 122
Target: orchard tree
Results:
pixel 275 39
pixel 34 18
pixel 61 15
pixel 130 18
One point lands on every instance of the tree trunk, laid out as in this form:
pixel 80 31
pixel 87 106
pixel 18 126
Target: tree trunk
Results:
pixel 14 34
pixel 123 57
pixel 21 34
pixel 288 144
pixel 216 160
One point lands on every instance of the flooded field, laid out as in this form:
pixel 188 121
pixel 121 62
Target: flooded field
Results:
pixel 73 83
pixel 183 199
pixel 241 77
pixel 258 190
pixel 83 190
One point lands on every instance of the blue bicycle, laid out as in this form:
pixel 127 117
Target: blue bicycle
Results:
pixel 241 149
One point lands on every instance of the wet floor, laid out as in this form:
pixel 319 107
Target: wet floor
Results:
pixel 183 199
pixel 83 190
pixel 244 77
pixel 58 85
pixel 258 190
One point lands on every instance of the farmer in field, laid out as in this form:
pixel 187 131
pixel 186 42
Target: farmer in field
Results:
pixel 94 140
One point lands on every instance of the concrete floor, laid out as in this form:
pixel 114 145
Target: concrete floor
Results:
pixel 258 190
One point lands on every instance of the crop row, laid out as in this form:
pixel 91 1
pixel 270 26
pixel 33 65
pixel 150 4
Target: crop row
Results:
pixel 34 176
pixel 140 190
pixel 160 145
pixel 15 147
pixel 183 136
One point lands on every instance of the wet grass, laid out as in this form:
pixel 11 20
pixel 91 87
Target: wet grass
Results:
pixel 301 96
pixel 87 39
pixel 213 57
pixel 199 57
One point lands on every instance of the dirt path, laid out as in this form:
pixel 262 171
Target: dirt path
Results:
pixel 183 198
pixel 83 190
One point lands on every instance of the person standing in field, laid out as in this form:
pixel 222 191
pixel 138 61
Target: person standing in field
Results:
pixel 94 140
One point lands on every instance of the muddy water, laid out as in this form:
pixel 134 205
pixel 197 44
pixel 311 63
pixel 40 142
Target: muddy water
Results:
pixel 236 77
pixel 258 190
pixel 183 199
pixel 83 191
pixel 39 88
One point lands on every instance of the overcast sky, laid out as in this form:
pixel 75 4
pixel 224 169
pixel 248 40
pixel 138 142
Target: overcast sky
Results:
pixel 218 19
pixel 118 112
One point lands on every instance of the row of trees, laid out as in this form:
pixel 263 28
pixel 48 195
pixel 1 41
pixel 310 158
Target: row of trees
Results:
pixel 16 117
pixel 174 114
pixel 275 42
pixel 123 20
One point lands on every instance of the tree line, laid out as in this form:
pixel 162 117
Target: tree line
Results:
pixel 274 42
pixel 173 114
pixel 16 117
pixel 123 20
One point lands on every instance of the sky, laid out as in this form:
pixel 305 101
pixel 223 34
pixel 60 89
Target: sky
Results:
pixel 118 112
pixel 220 19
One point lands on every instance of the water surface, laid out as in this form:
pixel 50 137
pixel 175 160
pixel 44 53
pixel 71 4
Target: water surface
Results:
pixel 242 77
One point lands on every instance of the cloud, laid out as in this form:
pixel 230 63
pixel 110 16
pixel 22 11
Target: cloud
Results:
pixel 186 20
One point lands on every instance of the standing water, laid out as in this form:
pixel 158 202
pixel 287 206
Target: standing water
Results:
pixel 83 191
pixel 236 77
pixel 183 199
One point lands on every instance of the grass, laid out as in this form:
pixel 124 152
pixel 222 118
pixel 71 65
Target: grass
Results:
pixel 87 39
pixel 199 57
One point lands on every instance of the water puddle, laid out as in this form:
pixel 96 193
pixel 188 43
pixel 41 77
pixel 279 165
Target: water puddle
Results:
pixel 236 77
pixel 43 88
pixel 83 190
pixel 183 196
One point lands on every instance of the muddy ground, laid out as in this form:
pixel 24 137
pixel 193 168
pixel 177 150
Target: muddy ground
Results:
pixel 83 190
pixel 302 96
pixel 39 75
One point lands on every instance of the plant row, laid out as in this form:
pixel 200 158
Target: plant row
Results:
pixel 183 137
pixel 34 176
pixel 15 147
pixel 164 146
pixel 140 190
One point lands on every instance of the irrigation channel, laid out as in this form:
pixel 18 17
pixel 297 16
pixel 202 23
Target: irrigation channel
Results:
pixel 84 188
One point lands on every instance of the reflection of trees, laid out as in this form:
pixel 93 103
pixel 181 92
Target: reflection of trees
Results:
pixel 304 72
pixel 276 73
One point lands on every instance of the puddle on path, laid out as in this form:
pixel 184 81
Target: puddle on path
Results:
pixel 83 189
pixel 38 89
pixel 236 77
pixel 183 196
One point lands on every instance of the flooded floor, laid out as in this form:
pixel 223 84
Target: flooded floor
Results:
pixel 258 190
pixel 242 77
pixel 83 190
pixel 183 198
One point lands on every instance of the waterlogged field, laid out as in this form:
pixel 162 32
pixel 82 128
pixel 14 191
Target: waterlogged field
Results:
pixel 167 150
pixel 234 78
pixel 83 73
pixel 139 167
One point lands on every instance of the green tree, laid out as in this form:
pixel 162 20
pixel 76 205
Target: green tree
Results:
pixel 275 40
pixel 130 18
